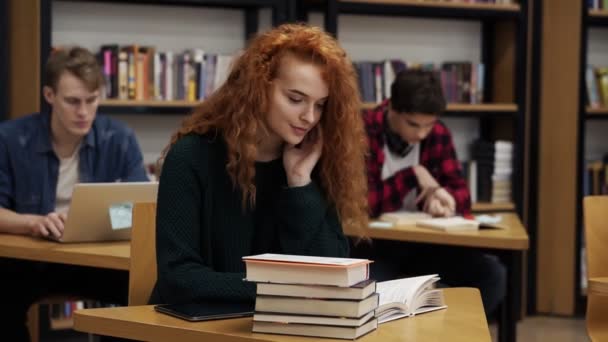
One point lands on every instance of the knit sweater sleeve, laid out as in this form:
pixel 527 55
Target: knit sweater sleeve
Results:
pixel 183 273
pixel 308 225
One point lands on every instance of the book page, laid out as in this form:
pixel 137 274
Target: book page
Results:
pixel 303 259
pixel 399 297
pixel 429 300
pixel 401 290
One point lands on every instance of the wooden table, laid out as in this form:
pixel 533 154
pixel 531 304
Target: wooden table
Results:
pixel 116 255
pixel 463 320
pixel 112 255
pixel 513 238
pixel 511 242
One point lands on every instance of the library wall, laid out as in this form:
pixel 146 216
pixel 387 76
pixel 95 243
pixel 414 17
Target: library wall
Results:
pixel 221 31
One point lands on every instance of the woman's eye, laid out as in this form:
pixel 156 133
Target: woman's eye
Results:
pixel 294 99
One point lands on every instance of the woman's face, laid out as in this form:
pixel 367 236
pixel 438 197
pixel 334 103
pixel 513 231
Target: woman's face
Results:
pixel 297 100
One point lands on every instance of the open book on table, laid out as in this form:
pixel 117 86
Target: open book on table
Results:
pixel 454 223
pixel 401 218
pixel 407 297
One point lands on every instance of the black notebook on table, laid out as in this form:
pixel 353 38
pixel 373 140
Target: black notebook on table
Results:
pixel 195 312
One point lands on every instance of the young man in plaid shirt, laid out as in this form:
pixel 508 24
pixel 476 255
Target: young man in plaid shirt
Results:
pixel 412 165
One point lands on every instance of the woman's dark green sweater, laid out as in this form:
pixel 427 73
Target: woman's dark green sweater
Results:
pixel 202 230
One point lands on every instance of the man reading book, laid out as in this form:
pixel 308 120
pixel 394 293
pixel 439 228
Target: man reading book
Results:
pixel 412 165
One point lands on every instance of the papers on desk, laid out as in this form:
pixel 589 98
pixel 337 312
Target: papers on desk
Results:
pixel 401 218
pixel 455 223
pixel 490 221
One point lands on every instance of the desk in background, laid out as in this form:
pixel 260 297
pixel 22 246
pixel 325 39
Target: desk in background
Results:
pixel 511 242
pixel 463 321
pixel 112 255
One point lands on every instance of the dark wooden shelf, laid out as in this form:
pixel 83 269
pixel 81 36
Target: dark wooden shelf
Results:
pixel 441 5
pixel 428 9
pixel 598 13
pixel 147 103
pixel 596 113
pixel 176 107
pixel 597 18
pixel 113 106
pixel 466 109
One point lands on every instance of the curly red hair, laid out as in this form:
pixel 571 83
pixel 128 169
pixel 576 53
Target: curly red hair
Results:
pixel 238 108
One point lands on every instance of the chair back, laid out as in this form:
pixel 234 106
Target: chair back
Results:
pixel 142 271
pixel 596 244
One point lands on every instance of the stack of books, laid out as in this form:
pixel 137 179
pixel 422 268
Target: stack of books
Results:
pixel 331 297
pixel 312 296
pixel 493 169
pixel 503 171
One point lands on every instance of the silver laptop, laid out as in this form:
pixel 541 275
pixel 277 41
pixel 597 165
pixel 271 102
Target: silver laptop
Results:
pixel 89 214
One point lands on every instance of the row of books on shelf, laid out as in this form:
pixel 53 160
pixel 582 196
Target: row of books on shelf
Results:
pixel 461 81
pixel 595 177
pixel 488 174
pixel 332 297
pixel 137 72
pixel 596 80
pixel 597 4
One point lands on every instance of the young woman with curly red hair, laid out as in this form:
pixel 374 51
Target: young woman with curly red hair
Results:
pixel 273 161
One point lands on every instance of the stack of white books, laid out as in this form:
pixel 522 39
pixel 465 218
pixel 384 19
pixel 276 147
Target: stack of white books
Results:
pixel 503 170
pixel 331 297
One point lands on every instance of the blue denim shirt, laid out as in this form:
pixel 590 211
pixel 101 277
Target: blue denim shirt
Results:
pixel 29 167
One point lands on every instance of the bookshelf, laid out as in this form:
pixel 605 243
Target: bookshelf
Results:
pixel 592 19
pixel 31 47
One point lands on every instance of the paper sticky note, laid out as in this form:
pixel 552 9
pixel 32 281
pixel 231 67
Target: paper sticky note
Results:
pixel 121 215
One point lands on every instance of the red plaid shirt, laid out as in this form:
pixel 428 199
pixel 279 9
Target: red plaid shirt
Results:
pixel 437 155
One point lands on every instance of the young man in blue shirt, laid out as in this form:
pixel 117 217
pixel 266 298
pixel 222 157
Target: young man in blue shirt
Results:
pixel 42 157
